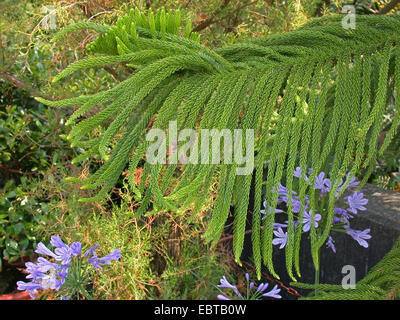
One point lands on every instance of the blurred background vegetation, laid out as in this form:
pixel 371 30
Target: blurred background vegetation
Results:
pixel 164 257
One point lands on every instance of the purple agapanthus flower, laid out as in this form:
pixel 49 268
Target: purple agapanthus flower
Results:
pixel 62 251
pixel 46 274
pixel 62 274
pixel 34 270
pixel 262 287
pixel 64 254
pixel 323 184
pixel 280 225
pixel 354 182
pixel 356 201
pixel 76 248
pixel 99 262
pixel 251 293
pixel 307 220
pixel 343 213
pixel 297 173
pixel 28 286
pixel 45 265
pixel 91 251
pixel 224 283
pixel 49 281
pixel 42 249
pixel 56 242
pixel 113 256
pixel 273 293
pixel 281 238
pixel 295 203
pixel 31 287
pixel 330 244
pixel 359 236
pixel 282 191
pixel 94 261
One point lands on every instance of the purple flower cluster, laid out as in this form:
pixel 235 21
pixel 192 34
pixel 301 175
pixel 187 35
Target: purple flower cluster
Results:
pixel 46 274
pixel 253 292
pixel 352 204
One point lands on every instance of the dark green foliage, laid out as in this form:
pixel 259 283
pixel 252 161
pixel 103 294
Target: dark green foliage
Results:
pixel 20 214
pixel 315 97
pixel 28 147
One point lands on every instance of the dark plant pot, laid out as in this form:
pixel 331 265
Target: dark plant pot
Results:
pixel 24 295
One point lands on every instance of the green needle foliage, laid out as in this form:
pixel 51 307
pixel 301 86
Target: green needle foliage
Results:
pixel 381 282
pixel 315 97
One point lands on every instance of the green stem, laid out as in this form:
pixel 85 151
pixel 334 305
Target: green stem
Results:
pixel 317 273
pixel 316 282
